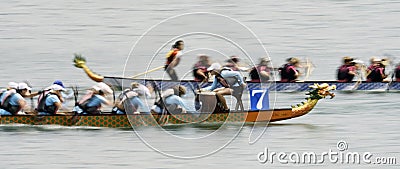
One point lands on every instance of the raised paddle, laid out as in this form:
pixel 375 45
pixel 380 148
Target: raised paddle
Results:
pixel 391 81
pixel 359 81
pixel 149 71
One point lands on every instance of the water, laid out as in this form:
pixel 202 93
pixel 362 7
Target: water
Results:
pixel 38 40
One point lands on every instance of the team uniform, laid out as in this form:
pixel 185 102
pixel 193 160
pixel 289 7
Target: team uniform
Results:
pixel 9 103
pixel 288 73
pixel 255 73
pixel 171 56
pixel 343 73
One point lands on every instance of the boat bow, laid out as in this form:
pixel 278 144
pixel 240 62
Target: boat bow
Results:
pixel 80 62
pixel 318 92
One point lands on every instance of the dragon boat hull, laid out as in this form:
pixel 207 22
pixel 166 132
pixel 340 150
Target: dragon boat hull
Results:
pixel 127 121
pixel 142 119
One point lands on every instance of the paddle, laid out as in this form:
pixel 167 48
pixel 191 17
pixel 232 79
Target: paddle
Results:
pixel 149 71
pixel 359 81
pixel 308 69
pixel 391 81
pixel 112 88
pixel 164 111
pixel 197 104
pixel 75 90
pixel 309 66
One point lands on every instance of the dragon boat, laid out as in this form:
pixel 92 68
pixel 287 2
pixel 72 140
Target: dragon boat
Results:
pixel 123 82
pixel 316 93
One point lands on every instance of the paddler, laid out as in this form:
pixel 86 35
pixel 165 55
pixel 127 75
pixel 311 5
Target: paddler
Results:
pixel 12 86
pixel 261 72
pixel 347 71
pixel 288 71
pixel 231 81
pixel 233 63
pixel 91 103
pixel 173 99
pixel 64 94
pixel 200 72
pixel 50 102
pixel 130 99
pixel 376 72
pixel 397 73
pixel 11 101
pixel 173 59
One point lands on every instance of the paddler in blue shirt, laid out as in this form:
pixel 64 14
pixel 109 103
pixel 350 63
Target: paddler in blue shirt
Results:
pixel 11 101
pixel 50 102
pixel 230 80
pixel 173 101
pixel 130 101
pixel 91 103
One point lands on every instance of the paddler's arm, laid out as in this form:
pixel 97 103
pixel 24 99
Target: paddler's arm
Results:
pixel 201 73
pixel 213 85
pixel 296 72
pixel 180 102
pixel 58 105
pixel 235 75
pixel 56 102
pixel 352 70
pixel 22 103
pixel 384 76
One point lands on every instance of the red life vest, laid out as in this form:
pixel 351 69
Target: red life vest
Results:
pixel 343 74
pixel 254 73
pixel 196 67
pixel 376 75
pixel 288 72
pixel 171 56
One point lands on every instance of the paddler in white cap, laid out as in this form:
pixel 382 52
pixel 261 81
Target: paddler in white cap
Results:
pixel 91 103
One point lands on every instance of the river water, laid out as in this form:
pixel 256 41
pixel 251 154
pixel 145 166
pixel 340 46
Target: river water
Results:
pixel 38 40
